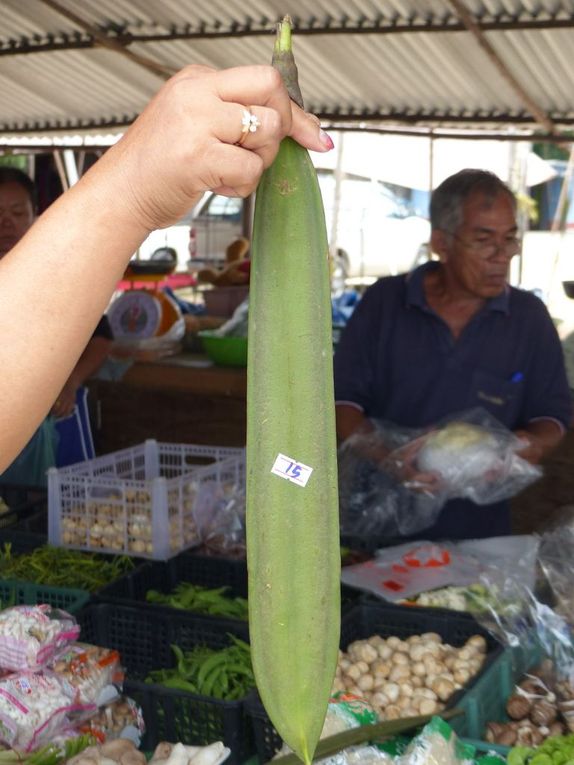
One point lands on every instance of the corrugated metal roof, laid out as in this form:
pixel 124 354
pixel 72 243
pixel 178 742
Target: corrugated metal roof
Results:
pixel 388 62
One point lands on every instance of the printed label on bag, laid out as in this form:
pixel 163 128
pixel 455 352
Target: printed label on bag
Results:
pixel 293 471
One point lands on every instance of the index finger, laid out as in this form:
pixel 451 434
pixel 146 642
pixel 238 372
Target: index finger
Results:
pixel 256 86
pixel 263 86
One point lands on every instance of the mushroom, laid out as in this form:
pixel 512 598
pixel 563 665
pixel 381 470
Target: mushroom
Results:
pixel 518 707
pixel 543 713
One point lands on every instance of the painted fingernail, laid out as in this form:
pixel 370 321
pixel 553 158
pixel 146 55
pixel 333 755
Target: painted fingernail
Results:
pixel 326 140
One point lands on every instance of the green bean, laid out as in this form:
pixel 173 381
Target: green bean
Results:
pixel 60 567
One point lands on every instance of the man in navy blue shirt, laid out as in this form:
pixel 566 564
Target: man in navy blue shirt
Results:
pixel 453 335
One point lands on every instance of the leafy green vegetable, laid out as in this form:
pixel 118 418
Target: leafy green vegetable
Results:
pixel 51 754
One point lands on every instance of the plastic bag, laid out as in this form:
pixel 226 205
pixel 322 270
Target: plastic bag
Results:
pixel 406 570
pixel 30 636
pixel 219 514
pixel 344 712
pixel 237 325
pixel 373 502
pixel 525 617
pixel 556 559
pixel 123 718
pixel 33 710
pixel 437 744
pixel 88 674
pixel 469 455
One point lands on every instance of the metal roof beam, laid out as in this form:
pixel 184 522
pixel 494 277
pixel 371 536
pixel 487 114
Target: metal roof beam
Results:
pixel 362 26
pixel 330 118
pixel 101 38
pixel 473 27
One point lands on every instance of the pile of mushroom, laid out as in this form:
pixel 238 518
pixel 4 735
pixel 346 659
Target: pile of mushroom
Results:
pixel 533 713
pixel 121 751
pixel 405 678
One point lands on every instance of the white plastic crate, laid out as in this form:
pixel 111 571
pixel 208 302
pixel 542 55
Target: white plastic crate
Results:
pixel 142 500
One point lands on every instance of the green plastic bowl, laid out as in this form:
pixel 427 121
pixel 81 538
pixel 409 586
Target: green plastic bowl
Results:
pixel 225 351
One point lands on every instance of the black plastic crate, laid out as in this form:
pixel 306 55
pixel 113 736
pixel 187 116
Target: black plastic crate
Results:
pixel 202 570
pixel 21 541
pixel 143 637
pixel 26 506
pixel 369 618
pixel 19 495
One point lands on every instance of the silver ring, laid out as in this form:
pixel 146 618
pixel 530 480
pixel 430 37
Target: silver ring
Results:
pixel 249 124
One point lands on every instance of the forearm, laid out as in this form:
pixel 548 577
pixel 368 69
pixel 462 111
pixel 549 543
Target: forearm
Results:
pixel 350 420
pixel 59 278
pixel 543 437
pixel 64 271
pixel 94 355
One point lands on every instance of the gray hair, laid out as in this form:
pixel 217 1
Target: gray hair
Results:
pixel 448 198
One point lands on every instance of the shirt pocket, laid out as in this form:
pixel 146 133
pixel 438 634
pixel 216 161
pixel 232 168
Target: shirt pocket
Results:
pixel 501 397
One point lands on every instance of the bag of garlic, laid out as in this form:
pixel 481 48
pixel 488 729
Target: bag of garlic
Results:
pixel 346 711
pixel 33 710
pixel 394 481
pixel 30 636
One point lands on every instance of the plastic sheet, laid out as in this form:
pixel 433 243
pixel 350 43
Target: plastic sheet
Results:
pixel 406 570
pixel 394 481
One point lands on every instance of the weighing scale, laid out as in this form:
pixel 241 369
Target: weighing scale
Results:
pixel 144 312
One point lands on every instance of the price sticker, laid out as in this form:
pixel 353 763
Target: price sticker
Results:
pixel 293 471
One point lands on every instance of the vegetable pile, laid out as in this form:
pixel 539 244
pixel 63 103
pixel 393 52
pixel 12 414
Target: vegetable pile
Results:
pixel 201 600
pixel 556 750
pixel 58 567
pixel 121 521
pixel 473 598
pixel 535 714
pixel 222 674
pixel 123 752
pixel 51 754
pixel 406 678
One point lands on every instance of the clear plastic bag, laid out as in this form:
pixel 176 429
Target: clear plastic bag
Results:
pixel 530 617
pixel 220 518
pixel 394 481
pixel 556 559
pixel 122 718
pixel 33 710
pixel 30 636
pixel 88 674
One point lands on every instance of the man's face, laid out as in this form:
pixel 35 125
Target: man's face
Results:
pixel 479 252
pixel 16 215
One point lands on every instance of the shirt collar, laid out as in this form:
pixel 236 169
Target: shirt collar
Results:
pixel 415 295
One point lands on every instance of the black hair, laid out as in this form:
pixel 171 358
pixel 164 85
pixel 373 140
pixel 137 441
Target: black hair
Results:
pixel 14 175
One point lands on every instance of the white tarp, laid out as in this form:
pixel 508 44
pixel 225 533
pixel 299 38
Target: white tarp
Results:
pixel 406 160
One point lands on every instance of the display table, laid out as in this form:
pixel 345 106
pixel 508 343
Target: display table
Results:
pixel 177 399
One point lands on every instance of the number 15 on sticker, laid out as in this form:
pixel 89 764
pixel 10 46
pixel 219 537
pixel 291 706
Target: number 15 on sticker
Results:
pixel 293 471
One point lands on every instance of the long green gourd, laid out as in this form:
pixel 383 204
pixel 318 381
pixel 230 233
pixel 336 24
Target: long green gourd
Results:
pixel 292 503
